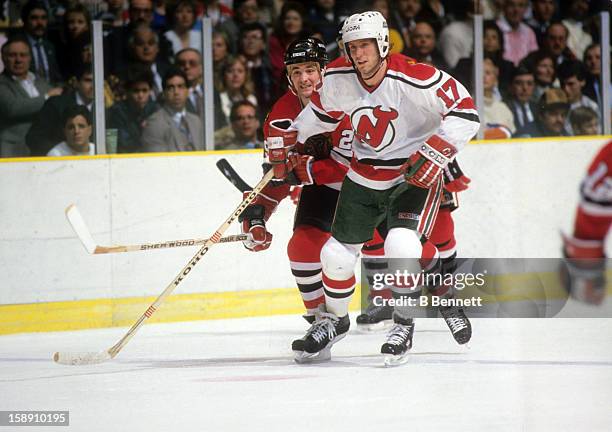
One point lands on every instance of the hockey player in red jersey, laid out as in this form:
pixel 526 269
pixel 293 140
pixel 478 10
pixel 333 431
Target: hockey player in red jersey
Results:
pixel 584 270
pixel 396 170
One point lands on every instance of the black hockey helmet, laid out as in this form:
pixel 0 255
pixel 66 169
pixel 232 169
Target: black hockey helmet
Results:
pixel 306 50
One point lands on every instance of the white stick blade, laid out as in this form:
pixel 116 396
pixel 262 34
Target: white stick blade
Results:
pixel 82 358
pixel 78 225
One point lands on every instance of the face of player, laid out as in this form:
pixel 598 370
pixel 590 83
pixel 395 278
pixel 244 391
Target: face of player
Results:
pixel 184 17
pixel 304 77
pixel 573 88
pixel 139 94
pixel 190 63
pixel 235 76
pixel 522 87
pixel 76 24
pixel 554 119
pixel 423 38
pixel 16 58
pixel 77 132
pixel 545 71
pixel 176 93
pixel 364 53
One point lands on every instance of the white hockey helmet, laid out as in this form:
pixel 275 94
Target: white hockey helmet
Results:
pixel 367 25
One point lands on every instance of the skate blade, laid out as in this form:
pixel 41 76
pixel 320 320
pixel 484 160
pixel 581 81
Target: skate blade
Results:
pixel 303 357
pixel 391 360
pixel 378 327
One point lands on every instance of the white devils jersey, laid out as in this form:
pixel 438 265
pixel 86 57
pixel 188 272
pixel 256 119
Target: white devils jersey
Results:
pixel 413 102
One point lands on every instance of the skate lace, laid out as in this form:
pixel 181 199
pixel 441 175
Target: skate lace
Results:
pixel 398 334
pixel 323 327
pixel 456 324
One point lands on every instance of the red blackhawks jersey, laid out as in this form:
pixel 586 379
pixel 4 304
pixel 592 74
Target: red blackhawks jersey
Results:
pixel 412 103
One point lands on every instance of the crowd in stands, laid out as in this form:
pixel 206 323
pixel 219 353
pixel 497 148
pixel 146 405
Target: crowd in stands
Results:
pixel 542 68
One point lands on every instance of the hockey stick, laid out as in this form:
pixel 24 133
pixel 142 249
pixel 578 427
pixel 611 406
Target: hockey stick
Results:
pixel 75 358
pixel 230 173
pixel 80 228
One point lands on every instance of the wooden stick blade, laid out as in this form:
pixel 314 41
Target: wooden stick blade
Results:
pixel 78 225
pixel 81 358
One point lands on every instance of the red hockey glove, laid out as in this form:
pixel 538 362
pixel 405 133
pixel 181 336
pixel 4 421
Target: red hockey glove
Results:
pixel 454 179
pixel 253 223
pixel 279 143
pixel 296 192
pixel 425 166
pixel 301 169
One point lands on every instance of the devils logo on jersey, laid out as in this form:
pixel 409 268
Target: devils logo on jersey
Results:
pixel 374 126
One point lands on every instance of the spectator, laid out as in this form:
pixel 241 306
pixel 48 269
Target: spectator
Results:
pixel 247 12
pixel 498 119
pixel 543 68
pixel 423 45
pixel 216 11
pixel 406 14
pixel 237 86
pixel 77 132
pixel 552 113
pixel 592 61
pixel 584 121
pixel 324 18
pixel 521 89
pixel 76 34
pixel 578 39
pixel 242 133
pixel 22 95
pixel 144 52
pixel 117 41
pixel 291 25
pixel 189 61
pixel 35 19
pixel 182 19
pixel 172 128
pixel 220 50
pixel 129 116
pixel 519 38
pixel 456 39
pixel 555 44
pixel 113 15
pixel 47 129
pixel 542 14
pixel 253 50
pixel 572 76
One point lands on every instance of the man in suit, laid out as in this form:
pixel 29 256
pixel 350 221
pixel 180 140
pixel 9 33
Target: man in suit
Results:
pixel 47 129
pixel 22 95
pixel 35 19
pixel 521 90
pixel 172 128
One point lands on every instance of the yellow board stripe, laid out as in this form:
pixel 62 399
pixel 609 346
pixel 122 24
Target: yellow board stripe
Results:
pixel 123 312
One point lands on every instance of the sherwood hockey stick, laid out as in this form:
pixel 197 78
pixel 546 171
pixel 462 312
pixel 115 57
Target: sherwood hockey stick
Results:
pixel 80 228
pixel 87 358
pixel 230 173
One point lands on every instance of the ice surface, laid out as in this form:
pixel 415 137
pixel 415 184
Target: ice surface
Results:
pixel 238 375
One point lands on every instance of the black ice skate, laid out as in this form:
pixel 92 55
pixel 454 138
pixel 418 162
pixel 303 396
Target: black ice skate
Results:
pixel 458 323
pixel 297 346
pixel 375 317
pixel 399 341
pixel 326 330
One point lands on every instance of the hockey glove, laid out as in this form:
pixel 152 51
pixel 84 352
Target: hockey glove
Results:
pixel 301 169
pixel 425 166
pixel 279 143
pixel 454 179
pixel 253 223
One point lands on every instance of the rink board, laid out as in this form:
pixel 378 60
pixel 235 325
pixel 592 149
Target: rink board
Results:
pixel 522 193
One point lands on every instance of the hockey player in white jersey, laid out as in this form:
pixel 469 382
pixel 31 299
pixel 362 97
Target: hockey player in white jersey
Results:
pixel 409 121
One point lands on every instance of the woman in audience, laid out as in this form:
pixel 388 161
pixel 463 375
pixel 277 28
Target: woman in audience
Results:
pixel 543 68
pixel 181 35
pixel 76 34
pixel 498 120
pixel 237 86
pixel 77 133
pixel 220 51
